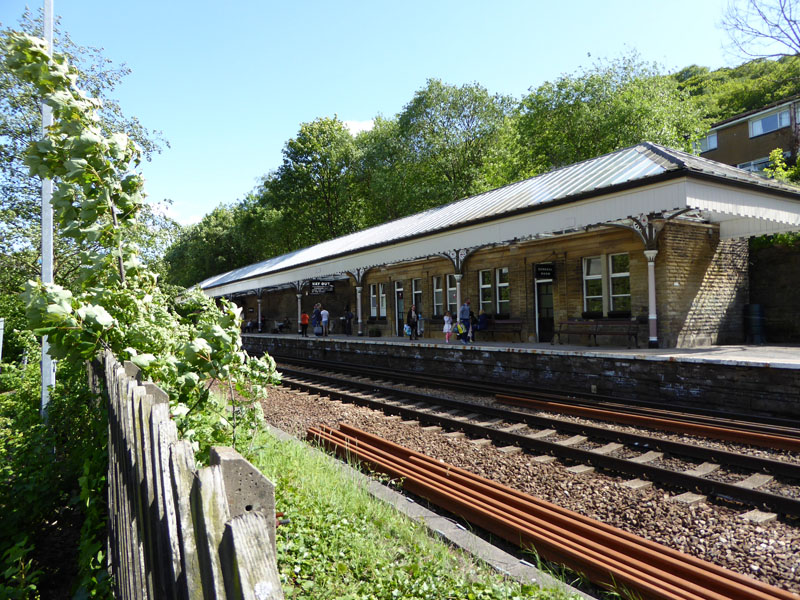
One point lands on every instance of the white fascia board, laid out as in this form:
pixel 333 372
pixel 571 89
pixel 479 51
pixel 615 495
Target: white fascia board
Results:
pixel 730 207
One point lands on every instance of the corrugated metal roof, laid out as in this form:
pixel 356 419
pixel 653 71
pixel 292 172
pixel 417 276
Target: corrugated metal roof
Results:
pixel 595 176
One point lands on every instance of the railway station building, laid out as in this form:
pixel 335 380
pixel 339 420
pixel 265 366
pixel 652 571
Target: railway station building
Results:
pixel 648 244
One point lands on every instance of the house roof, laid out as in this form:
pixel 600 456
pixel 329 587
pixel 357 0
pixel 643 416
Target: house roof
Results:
pixel 756 111
pixel 557 193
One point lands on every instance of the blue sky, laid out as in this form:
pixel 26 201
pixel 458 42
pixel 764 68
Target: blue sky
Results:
pixel 228 83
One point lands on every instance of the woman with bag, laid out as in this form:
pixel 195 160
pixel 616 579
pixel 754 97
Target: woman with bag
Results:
pixel 411 323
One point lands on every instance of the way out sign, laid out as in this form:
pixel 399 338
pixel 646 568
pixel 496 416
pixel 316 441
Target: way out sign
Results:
pixel 321 287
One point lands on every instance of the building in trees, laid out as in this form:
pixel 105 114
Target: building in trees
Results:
pixel 745 140
pixel 647 236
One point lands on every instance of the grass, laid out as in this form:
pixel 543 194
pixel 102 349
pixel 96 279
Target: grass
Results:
pixel 342 543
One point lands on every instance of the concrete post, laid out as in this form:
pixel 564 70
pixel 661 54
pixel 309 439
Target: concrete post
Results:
pixel 358 309
pixel 651 298
pixel 299 312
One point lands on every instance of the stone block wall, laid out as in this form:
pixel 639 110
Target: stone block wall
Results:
pixel 736 387
pixel 703 287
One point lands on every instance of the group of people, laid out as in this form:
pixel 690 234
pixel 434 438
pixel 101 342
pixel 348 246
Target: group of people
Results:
pixel 466 325
pixel 320 321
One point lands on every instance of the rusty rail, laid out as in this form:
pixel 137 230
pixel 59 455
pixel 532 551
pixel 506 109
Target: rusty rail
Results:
pixel 608 556
pixel 722 433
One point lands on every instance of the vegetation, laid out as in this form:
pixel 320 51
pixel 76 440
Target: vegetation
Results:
pixel 185 343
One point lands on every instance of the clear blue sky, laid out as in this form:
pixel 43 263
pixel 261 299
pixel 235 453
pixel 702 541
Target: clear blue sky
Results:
pixel 229 83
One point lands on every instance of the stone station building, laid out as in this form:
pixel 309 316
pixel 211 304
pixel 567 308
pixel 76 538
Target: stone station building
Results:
pixel 645 235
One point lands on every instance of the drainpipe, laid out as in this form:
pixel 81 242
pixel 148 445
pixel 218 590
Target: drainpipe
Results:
pixel 651 297
pixel 358 309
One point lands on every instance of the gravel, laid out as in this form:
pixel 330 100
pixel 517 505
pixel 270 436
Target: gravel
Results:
pixel 767 552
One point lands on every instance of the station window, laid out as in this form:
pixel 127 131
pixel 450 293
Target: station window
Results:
pixel 769 123
pixel 373 300
pixel 452 299
pixel 438 300
pixel 619 271
pixel 503 292
pixel 382 300
pixel 416 292
pixel 485 290
pixel 593 284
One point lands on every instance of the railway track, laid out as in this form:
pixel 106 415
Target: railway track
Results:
pixel 610 557
pixel 728 426
pixel 567 441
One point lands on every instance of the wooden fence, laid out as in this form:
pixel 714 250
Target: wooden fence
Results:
pixel 176 531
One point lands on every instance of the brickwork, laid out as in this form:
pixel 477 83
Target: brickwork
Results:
pixel 774 284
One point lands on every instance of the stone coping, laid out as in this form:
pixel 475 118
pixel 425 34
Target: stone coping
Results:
pixel 773 357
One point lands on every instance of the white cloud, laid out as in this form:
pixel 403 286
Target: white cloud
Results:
pixel 356 127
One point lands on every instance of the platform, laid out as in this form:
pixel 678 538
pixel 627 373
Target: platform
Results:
pixel 744 379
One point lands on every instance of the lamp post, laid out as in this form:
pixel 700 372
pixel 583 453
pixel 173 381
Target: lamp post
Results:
pixel 48 366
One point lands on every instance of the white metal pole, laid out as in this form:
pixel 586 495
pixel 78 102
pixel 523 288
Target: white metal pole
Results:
pixel 48 366
pixel 651 298
pixel 2 328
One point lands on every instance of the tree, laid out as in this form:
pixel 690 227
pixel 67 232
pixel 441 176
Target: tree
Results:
pixel 763 28
pixel 20 124
pixel 600 110
pixel 314 187
pixel 450 131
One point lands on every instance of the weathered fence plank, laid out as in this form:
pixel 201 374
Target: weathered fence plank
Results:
pixel 171 531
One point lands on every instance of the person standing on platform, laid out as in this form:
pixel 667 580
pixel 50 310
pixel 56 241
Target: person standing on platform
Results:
pixel 348 321
pixel 448 326
pixel 316 318
pixel 304 324
pixel 483 322
pixel 325 320
pixel 411 321
pixel 463 317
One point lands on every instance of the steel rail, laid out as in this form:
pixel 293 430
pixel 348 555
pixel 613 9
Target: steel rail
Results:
pixel 609 556
pixel 722 490
pixel 724 433
pixel 774 467
pixel 761 423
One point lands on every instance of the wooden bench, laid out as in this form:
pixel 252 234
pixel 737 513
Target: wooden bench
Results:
pixel 629 328
pixel 501 326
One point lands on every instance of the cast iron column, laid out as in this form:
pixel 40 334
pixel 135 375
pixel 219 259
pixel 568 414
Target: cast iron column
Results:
pixel 358 308
pixel 651 298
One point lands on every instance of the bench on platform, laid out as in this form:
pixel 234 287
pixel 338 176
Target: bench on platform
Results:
pixel 501 326
pixel 628 328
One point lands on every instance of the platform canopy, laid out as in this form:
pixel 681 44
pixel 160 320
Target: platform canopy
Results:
pixel 644 181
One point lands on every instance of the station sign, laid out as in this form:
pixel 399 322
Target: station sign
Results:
pixel 544 270
pixel 321 287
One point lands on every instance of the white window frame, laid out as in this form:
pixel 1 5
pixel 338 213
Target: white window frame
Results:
pixel 707 143
pixel 438 299
pixel 382 300
pixel 783 120
pixel 503 306
pixel 626 274
pixel 587 277
pixel 452 295
pixel 485 305
pixel 416 292
pixel 373 300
